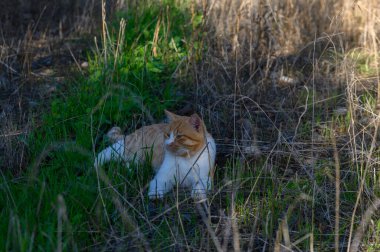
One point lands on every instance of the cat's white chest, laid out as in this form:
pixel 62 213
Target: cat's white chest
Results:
pixel 188 171
pixel 192 172
pixel 182 168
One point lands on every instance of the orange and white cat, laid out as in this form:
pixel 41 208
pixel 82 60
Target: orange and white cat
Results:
pixel 183 153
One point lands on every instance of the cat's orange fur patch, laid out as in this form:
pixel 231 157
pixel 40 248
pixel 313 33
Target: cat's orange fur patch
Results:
pixel 189 133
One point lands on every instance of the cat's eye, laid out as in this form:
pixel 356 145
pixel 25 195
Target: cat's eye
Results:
pixel 166 135
pixel 179 136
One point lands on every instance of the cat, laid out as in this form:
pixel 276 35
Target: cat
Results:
pixel 183 153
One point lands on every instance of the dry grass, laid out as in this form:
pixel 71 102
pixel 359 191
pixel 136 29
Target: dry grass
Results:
pixel 282 64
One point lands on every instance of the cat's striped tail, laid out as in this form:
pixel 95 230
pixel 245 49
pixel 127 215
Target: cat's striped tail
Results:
pixel 114 152
pixel 115 134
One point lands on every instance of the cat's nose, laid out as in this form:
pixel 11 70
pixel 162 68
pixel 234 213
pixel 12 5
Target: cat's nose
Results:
pixel 171 145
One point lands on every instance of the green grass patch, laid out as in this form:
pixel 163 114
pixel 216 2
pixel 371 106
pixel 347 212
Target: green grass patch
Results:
pixel 56 203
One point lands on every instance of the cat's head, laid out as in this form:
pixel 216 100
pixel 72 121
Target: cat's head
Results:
pixel 185 135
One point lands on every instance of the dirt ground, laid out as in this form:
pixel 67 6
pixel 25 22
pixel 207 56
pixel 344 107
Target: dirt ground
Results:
pixel 41 42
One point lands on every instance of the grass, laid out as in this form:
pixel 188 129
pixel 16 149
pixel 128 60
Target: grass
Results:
pixel 59 190
pixel 308 107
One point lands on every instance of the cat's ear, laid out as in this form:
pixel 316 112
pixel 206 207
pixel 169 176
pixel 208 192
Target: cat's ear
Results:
pixel 171 116
pixel 196 122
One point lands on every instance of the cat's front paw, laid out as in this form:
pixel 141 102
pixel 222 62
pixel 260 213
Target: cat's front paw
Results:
pixel 199 196
pixel 199 193
pixel 157 188
pixel 154 195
